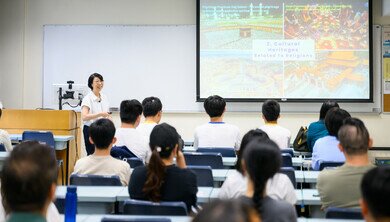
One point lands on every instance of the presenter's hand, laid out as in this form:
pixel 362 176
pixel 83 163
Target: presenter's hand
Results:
pixel 105 114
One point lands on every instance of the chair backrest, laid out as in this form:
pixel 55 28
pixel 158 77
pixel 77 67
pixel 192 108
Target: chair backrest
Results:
pixel 329 164
pixel 343 213
pixel 224 151
pixel 45 137
pixel 134 162
pixel 214 160
pixel 204 175
pixel 289 171
pixel 94 180
pixel 141 207
pixel 286 160
pixel 2 147
pixel 121 152
pixel 140 219
pixel 289 151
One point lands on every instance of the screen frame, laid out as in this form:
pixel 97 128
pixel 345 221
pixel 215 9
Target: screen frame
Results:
pixel 293 100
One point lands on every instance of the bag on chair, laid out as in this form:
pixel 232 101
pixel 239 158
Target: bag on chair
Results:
pixel 300 142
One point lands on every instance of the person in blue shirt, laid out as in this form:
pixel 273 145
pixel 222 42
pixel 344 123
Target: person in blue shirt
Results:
pixel 318 129
pixel 326 148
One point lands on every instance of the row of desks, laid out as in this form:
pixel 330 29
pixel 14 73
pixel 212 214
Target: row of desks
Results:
pixel 92 199
pixel 220 175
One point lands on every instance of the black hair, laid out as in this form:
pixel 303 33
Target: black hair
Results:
pixel 271 110
pixel 92 77
pixel 214 106
pixel 262 161
pixel 163 140
pixel 375 189
pixel 151 106
pixel 130 110
pixel 248 137
pixel 102 131
pixel 354 137
pixel 1 112
pixel 326 106
pixel 227 211
pixel 334 120
pixel 27 176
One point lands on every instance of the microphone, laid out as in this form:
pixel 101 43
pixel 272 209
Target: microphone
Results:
pixel 99 100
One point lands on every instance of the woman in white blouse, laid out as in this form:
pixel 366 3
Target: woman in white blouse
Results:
pixel 95 105
pixel 279 187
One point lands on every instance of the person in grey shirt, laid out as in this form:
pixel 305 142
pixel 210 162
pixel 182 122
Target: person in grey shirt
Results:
pixel 262 160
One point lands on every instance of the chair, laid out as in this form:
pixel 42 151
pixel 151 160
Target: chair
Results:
pixel 142 207
pixel 289 151
pixel 289 171
pixel 121 152
pixel 225 152
pixel 134 162
pixel 2 148
pixel 94 180
pixel 140 219
pixel 329 164
pixel 45 137
pixel 214 160
pixel 343 213
pixel 286 160
pixel 204 175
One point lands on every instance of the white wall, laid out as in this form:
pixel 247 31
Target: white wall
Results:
pixel 21 53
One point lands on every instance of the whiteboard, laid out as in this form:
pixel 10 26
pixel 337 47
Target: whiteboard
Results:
pixel 141 61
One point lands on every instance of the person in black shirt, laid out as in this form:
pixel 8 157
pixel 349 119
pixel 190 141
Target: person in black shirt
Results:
pixel 161 180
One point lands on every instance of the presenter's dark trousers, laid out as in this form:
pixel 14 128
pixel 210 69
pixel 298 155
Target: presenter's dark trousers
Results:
pixel 90 148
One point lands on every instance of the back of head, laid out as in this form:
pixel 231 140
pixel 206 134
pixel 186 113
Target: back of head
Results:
pixel 262 161
pixel 375 189
pixel 27 177
pixel 214 106
pixel 151 106
pixel 163 140
pixel 1 112
pixel 130 110
pixel 248 137
pixel 334 120
pixel 102 131
pixel 354 137
pixel 271 110
pixel 326 106
pixel 227 211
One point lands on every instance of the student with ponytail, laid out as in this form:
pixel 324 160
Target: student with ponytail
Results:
pixel 161 179
pixel 261 161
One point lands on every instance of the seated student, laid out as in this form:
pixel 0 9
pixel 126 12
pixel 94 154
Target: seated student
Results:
pixel 261 160
pixel 227 211
pixel 28 182
pixel 277 133
pixel 318 129
pixel 101 134
pixel 4 138
pixel 326 148
pixel 375 189
pixel 161 179
pixel 340 187
pixel 216 133
pixel 127 135
pixel 152 112
pixel 279 187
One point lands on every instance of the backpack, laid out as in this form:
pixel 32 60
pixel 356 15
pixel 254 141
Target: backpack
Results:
pixel 300 141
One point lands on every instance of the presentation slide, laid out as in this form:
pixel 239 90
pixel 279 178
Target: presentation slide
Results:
pixel 298 50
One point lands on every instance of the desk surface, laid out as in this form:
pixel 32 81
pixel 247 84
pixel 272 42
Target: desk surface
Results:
pixel 94 193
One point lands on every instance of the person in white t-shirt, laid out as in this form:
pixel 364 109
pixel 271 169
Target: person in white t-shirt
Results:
pixel 95 105
pixel 271 113
pixel 4 138
pixel 102 133
pixel 279 187
pixel 127 135
pixel 152 110
pixel 216 133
